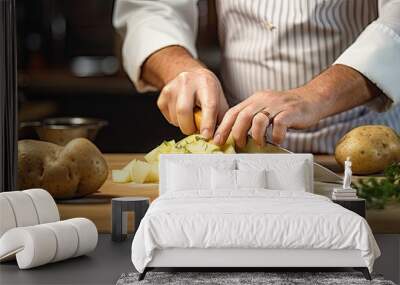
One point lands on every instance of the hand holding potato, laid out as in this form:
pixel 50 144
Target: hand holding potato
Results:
pixel 196 87
pixel 185 83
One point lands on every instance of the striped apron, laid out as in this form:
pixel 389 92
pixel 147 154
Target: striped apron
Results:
pixel 282 44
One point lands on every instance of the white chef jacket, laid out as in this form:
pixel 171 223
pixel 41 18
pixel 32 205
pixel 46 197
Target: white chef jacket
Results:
pixel 279 45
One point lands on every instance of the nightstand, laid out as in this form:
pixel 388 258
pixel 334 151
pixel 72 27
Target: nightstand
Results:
pixel 355 205
pixel 120 207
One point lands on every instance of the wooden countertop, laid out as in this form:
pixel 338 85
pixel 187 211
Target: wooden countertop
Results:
pixel 385 221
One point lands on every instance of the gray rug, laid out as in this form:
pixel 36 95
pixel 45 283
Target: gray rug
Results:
pixel 243 278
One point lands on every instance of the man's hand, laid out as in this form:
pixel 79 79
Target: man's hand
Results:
pixel 284 110
pixel 185 83
pixel 195 87
pixel 337 89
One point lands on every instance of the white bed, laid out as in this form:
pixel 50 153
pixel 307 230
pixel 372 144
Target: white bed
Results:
pixel 249 227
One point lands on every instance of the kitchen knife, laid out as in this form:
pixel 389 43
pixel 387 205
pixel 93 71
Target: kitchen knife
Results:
pixel 321 173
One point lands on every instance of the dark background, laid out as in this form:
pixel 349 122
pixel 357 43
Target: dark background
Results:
pixel 55 37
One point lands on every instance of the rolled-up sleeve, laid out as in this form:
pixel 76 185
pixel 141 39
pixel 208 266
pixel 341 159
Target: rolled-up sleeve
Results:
pixel 376 54
pixel 148 26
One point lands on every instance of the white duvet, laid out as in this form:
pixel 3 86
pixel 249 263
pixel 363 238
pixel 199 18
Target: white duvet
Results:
pixel 250 219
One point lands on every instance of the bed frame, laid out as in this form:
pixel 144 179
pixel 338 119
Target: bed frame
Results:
pixel 248 259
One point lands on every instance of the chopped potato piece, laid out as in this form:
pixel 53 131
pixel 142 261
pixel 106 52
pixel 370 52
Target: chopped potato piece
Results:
pixel 229 149
pixel 147 172
pixel 211 148
pixel 189 140
pixel 178 149
pixel 121 176
pixel 128 166
pixel 153 155
pixel 201 147
pixel 165 147
pixel 152 177
pixel 139 170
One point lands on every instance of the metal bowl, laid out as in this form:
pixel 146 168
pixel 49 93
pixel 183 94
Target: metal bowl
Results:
pixel 64 129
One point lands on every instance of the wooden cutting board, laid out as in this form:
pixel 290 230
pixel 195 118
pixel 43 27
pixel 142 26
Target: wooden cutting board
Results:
pixel 111 189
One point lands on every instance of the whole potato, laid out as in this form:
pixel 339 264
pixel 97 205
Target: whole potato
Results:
pixel 75 170
pixel 371 148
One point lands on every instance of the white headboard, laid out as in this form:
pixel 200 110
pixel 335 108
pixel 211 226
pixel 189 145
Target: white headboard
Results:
pixel 210 159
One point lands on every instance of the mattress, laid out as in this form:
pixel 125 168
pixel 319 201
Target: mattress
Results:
pixel 250 219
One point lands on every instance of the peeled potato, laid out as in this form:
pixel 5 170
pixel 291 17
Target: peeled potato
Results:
pixel 371 148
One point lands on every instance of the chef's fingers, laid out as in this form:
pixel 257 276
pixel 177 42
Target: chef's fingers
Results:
pixel 162 103
pixel 222 108
pixel 280 124
pixel 172 113
pixel 209 101
pixel 225 127
pixel 259 127
pixel 242 125
pixel 184 110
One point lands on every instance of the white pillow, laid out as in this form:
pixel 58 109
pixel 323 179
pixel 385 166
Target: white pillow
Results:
pixel 223 179
pixel 251 178
pixel 187 176
pixel 281 174
pixel 236 179
pixel 181 178
pixel 295 180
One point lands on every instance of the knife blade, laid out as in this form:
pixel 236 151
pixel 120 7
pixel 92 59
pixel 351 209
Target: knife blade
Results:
pixel 321 173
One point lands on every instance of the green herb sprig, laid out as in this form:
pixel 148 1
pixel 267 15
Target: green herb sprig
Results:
pixel 378 191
